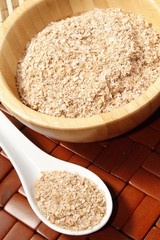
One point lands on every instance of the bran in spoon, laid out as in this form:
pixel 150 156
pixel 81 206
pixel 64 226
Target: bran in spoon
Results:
pixel 69 200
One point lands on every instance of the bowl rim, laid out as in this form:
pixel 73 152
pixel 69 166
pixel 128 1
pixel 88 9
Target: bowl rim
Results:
pixel 19 110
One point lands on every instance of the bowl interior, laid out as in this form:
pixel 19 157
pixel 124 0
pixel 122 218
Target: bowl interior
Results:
pixel 30 18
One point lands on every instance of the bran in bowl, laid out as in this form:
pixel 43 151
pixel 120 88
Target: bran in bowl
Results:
pixel 89 64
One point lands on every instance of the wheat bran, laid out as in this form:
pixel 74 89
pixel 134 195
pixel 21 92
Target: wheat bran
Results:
pixel 89 64
pixel 69 200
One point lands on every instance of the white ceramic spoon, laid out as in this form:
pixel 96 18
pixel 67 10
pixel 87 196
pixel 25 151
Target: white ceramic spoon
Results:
pixel 29 161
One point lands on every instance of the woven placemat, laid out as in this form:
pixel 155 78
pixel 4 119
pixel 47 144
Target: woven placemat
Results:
pixel 7 7
pixel 129 165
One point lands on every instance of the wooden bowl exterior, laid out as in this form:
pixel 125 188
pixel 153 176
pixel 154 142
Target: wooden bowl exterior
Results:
pixel 30 18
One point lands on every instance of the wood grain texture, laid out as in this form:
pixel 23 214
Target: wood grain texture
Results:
pixel 33 16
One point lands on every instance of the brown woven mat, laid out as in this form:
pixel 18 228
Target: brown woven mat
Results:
pixel 129 165
pixel 7 7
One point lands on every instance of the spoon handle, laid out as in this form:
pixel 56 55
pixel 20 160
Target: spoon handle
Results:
pixel 24 155
pixel 16 145
pixel 10 136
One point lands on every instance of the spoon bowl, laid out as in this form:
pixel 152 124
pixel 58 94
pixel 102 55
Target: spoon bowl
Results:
pixel 29 161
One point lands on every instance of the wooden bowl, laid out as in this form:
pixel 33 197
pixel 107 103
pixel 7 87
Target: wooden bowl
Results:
pixel 30 18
